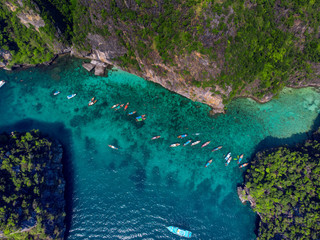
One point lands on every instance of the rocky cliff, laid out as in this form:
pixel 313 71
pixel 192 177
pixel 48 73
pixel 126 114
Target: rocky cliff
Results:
pixel 32 187
pixel 207 51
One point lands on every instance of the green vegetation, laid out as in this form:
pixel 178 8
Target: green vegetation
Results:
pixel 285 185
pixel 24 164
pixel 24 45
pixel 258 46
pixel 267 47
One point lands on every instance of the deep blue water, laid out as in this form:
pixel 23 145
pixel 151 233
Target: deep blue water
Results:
pixel 138 190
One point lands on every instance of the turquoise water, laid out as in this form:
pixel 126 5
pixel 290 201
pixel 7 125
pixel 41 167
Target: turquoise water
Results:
pixel 138 190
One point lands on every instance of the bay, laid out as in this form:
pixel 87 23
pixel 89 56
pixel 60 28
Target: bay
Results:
pixel 138 190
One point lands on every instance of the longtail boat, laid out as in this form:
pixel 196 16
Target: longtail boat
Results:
pixel 205 144
pixel 156 137
pixel 187 142
pixel 240 158
pixel 228 155
pixel 175 145
pixel 228 161
pixel 113 147
pixel 208 163
pixel 195 143
pixel 216 149
pixel 244 165
pixel 182 136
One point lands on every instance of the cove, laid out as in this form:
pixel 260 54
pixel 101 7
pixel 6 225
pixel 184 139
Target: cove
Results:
pixel 135 192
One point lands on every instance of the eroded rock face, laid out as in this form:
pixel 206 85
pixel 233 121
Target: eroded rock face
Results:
pixel 106 49
pixel 5 57
pixel 29 17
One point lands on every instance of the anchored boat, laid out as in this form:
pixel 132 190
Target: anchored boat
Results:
pixel 180 232
pixel 156 137
pixel 205 144
pixel 195 143
pixel 182 136
pixel 244 165
pixel 113 147
pixel 240 158
pixel 71 96
pixel 228 155
pixel 216 149
pixel 228 161
pixel 56 93
pixel 208 163
pixel 130 113
pixel 126 106
pixel 92 101
pixel 187 142
pixel 2 82
pixel 175 145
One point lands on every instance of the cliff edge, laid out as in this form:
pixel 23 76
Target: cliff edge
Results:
pixel 207 51
pixel 32 187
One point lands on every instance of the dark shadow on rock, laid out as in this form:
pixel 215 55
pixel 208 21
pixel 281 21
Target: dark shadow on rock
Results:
pixel 58 131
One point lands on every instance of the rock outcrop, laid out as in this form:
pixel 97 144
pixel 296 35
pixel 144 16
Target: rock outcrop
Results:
pixel 184 47
pixel 40 200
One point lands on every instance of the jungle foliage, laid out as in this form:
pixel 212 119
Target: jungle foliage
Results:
pixel 260 46
pixel 23 163
pixel 24 45
pixel 285 184
pixel 269 46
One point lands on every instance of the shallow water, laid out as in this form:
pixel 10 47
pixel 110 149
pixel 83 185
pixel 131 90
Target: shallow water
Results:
pixel 138 190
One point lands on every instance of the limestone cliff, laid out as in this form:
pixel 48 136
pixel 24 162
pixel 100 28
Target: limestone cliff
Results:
pixel 207 51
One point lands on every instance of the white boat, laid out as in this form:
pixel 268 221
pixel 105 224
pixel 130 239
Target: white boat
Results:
pixel 113 147
pixel 2 82
pixel 195 143
pixel 156 137
pixel 71 96
pixel 227 157
pixel 56 93
pixel 175 145
pixel 228 160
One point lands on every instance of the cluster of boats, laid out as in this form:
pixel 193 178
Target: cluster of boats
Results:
pixel 91 102
pixel 228 157
pixel 187 142
pixel 117 106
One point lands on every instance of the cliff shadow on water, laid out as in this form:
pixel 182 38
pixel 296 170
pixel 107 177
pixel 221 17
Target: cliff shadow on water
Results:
pixel 54 131
pixel 273 142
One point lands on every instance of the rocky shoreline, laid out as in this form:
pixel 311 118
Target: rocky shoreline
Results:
pixel 194 71
pixel 244 196
pixel 100 66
